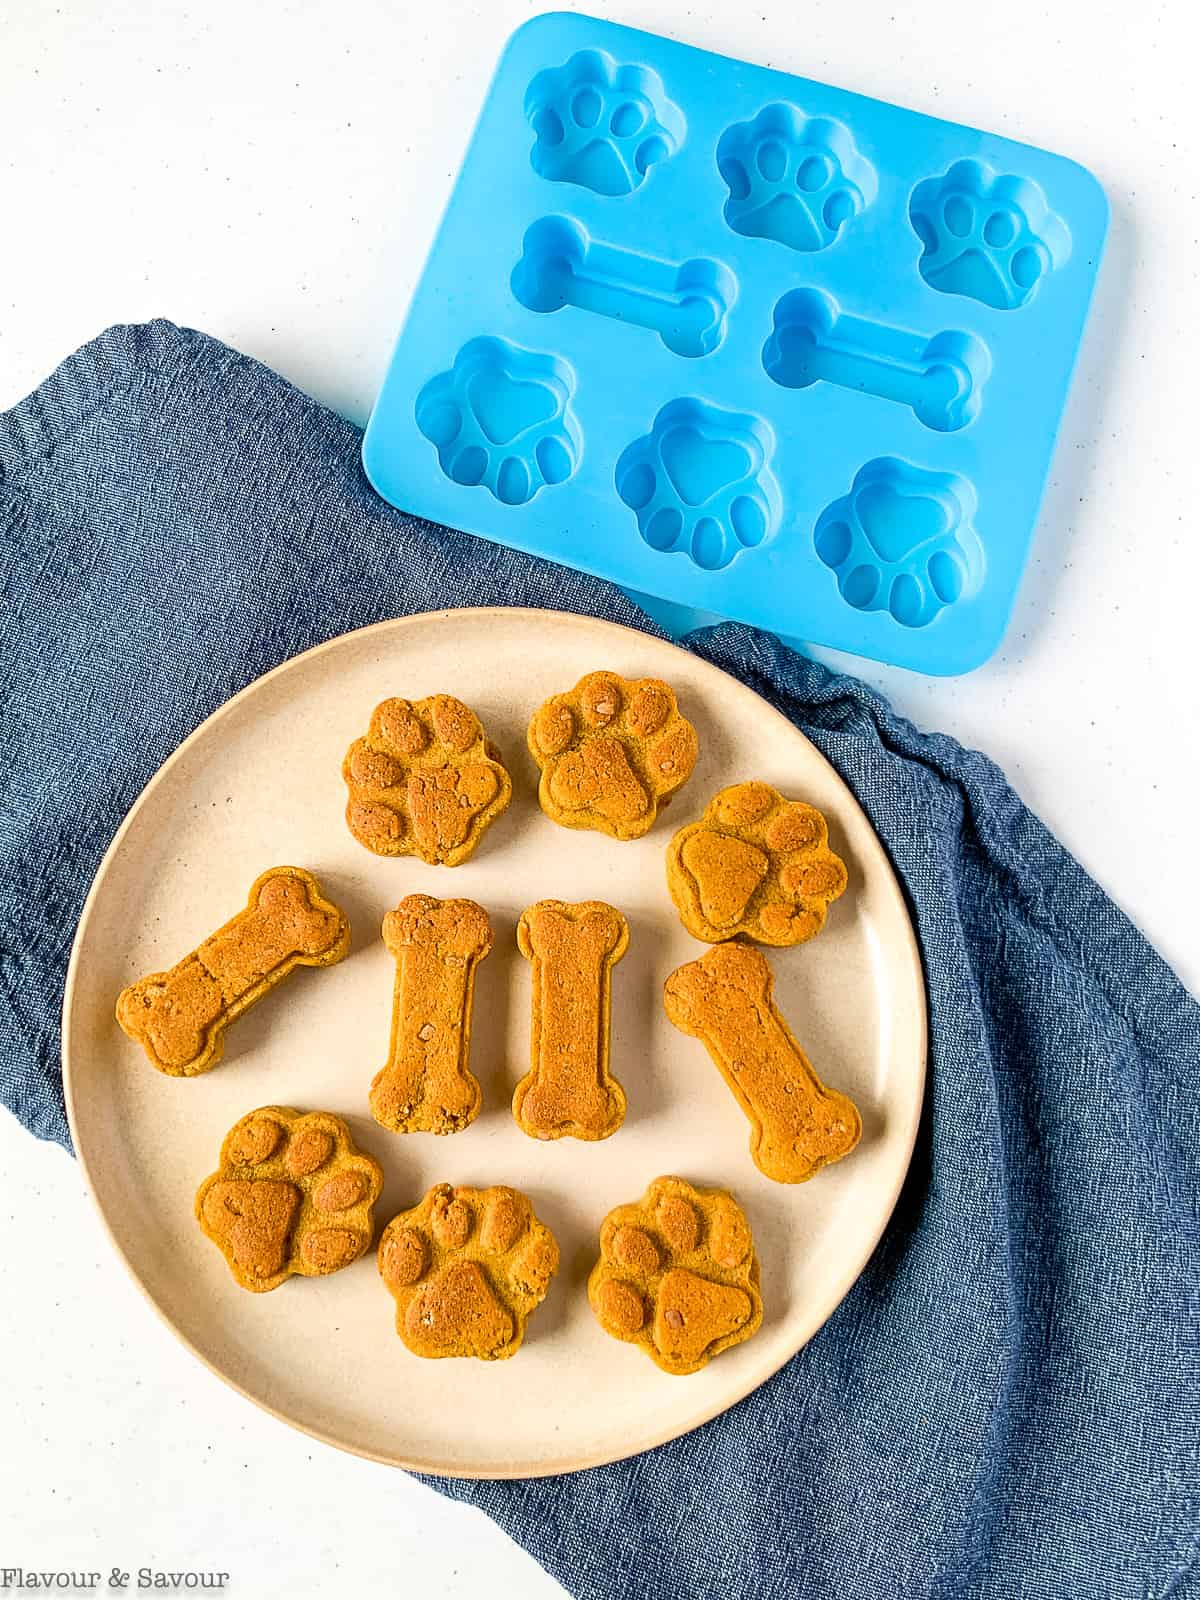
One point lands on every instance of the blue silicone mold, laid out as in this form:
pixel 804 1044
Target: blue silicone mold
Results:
pixel 744 342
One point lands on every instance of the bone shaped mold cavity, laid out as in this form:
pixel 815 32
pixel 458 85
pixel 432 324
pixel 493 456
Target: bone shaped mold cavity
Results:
pixel 941 378
pixel 991 238
pixel 502 417
pixel 798 180
pixel 903 540
pixel 686 304
pixel 601 124
pixel 700 482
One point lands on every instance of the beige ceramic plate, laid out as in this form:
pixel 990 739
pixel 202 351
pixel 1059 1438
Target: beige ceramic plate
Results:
pixel 260 784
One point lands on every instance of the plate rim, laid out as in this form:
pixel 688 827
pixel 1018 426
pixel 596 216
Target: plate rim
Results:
pixel 517 1469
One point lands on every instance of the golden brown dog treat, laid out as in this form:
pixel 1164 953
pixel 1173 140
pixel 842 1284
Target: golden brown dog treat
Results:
pixel 569 1091
pixel 677 1275
pixel 798 1125
pixel 612 752
pixel 179 1017
pixel 426 1086
pixel 755 864
pixel 467 1268
pixel 292 1194
pixel 426 781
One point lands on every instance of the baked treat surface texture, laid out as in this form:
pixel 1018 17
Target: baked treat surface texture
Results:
pixel 569 1091
pixel 292 1194
pixel 726 1000
pixel 757 865
pixel 426 1085
pixel 612 752
pixel 424 781
pixel 179 1017
pixel 677 1275
pixel 467 1268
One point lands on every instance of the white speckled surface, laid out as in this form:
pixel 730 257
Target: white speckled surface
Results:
pixel 273 175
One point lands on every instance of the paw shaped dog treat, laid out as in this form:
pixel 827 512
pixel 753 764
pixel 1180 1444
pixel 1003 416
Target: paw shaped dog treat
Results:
pixel 426 1086
pixel 677 1275
pixel 292 1194
pixel 798 1125
pixel 426 781
pixel 611 752
pixel 179 1017
pixel 467 1268
pixel 568 1091
pixel 755 864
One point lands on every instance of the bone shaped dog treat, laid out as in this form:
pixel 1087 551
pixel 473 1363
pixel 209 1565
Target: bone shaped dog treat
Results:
pixel 426 1086
pixel 179 1017
pixel 568 1092
pixel 725 1000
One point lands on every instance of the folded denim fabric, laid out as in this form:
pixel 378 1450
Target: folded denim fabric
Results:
pixel 1008 1402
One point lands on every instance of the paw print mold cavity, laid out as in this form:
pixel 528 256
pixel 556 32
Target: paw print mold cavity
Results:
pixel 991 238
pixel 501 418
pixel 601 124
pixel 903 541
pixel 798 180
pixel 677 1275
pixel 757 865
pixel 611 751
pixel 700 483
pixel 426 781
pixel 292 1194
pixel 466 1268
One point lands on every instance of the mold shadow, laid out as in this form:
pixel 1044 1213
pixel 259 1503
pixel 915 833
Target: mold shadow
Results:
pixel 700 483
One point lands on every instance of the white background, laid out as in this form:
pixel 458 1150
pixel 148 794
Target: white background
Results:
pixel 273 174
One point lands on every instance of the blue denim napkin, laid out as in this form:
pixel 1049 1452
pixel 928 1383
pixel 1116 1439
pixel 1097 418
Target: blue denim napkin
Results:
pixel 1007 1404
